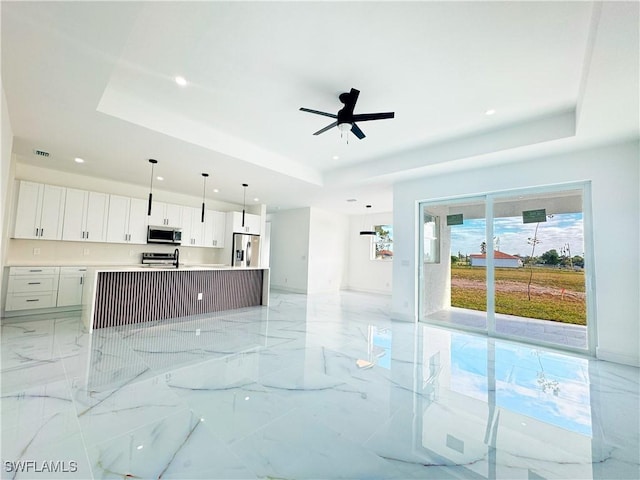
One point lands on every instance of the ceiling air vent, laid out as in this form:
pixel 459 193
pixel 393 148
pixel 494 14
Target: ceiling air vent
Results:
pixel 41 153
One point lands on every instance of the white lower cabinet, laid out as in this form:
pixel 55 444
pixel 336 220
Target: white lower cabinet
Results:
pixel 32 287
pixel 70 286
pixel 44 287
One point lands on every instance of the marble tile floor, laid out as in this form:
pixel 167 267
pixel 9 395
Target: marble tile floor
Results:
pixel 311 387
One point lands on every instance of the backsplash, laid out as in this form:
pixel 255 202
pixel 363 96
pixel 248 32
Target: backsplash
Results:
pixel 43 252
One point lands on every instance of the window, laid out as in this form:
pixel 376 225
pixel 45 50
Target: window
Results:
pixel 382 243
pixel 431 243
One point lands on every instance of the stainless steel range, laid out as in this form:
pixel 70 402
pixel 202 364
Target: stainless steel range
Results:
pixel 155 259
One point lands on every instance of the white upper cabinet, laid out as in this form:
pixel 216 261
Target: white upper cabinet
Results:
pixel 214 229
pixel 166 214
pixel 39 211
pixel 138 221
pixel 251 225
pixel 85 216
pixel 127 220
pixel 192 227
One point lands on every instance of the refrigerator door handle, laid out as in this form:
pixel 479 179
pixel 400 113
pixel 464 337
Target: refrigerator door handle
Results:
pixel 248 263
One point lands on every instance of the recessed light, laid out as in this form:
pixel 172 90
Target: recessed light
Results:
pixel 78 160
pixel 140 447
pixel 491 111
pixel 256 199
pixel 181 81
pixel 215 190
pixel 159 178
pixel 336 157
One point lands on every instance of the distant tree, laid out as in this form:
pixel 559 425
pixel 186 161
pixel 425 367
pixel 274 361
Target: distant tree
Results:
pixel 578 261
pixel 454 259
pixel 550 257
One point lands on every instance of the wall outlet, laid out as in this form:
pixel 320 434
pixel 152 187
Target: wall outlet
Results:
pixel 36 251
pixel 199 296
pixel 197 332
pixel 132 253
pixel 85 251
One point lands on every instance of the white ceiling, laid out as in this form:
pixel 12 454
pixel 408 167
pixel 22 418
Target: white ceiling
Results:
pixel 96 80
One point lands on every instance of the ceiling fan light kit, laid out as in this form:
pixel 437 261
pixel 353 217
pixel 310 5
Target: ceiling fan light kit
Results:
pixel 346 119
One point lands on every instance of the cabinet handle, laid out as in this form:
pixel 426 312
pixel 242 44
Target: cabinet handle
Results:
pixel 81 280
pixel 33 283
pixel 33 300
pixel 42 232
pixel 35 270
pixel 87 235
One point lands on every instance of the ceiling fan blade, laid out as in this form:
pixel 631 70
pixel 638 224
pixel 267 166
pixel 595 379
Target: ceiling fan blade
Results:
pixel 322 130
pixel 357 132
pixel 317 112
pixel 363 117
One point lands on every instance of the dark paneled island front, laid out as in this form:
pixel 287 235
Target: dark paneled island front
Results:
pixel 120 296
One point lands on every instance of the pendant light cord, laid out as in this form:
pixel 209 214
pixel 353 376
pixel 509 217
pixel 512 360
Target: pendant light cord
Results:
pixel 204 190
pixel 244 201
pixel 153 163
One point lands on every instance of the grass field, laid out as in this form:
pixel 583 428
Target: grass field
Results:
pixel 556 295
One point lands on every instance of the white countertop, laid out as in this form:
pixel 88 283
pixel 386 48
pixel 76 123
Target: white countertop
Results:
pixel 163 268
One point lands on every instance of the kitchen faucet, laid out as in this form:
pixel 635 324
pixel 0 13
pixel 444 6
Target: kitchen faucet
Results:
pixel 176 254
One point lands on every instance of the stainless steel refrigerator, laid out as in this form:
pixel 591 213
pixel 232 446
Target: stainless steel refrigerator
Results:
pixel 246 250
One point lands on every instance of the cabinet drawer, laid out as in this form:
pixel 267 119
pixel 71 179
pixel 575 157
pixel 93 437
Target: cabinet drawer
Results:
pixel 34 270
pixel 17 301
pixel 71 270
pixel 32 283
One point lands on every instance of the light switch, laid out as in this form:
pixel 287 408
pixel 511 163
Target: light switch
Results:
pixel 199 296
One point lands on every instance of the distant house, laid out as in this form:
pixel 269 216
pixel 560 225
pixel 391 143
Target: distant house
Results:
pixel 500 259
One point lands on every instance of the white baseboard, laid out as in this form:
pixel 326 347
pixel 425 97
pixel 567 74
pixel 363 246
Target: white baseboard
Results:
pixel 284 288
pixel 617 357
pixel 364 290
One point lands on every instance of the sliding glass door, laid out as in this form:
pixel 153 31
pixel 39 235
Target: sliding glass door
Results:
pixel 511 264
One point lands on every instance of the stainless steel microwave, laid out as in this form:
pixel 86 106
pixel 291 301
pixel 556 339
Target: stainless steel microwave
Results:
pixel 159 234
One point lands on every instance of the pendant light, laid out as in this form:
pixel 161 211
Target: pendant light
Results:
pixel 365 232
pixel 244 201
pixel 153 163
pixel 204 189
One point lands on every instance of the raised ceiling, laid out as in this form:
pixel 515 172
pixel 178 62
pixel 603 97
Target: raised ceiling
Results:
pixel 96 80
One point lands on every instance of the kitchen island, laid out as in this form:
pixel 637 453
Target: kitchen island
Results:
pixel 135 294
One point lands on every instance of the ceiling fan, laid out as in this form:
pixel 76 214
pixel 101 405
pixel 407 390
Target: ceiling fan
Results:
pixel 345 119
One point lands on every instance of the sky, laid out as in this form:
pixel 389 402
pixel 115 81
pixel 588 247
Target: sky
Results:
pixel 511 235
pixel 517 371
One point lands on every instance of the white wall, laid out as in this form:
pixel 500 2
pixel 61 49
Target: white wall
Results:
pixel 328 251
pixel 309 250
pixel 364 274
pixel 614 173
pixel 289 256
pixel 6 168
